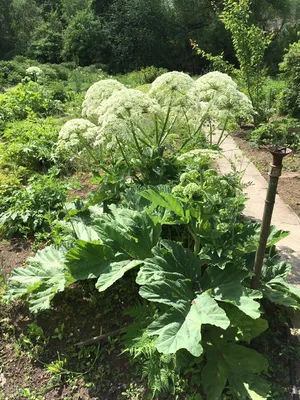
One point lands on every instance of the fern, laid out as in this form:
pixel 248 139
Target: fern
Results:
pixel 159 370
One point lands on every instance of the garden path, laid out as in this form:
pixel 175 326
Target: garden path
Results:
pixel 283 216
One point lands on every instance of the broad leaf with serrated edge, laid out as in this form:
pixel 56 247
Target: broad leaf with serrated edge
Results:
pixel 243 298
pixel 125 238
pixel 128 232
pixel 84 232
pixel 45 276
pixel 167 201
pixel 181 328
pixel 173 261
pixel 113 272
pixel 226 286
pixel 246 327
pixel 173 277
pixel 231 362
pixel 86 260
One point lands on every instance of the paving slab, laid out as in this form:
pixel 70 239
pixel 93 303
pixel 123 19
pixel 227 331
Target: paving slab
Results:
pixel 256 190
pixel 283 216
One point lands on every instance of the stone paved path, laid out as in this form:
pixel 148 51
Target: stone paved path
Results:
pixel 283 216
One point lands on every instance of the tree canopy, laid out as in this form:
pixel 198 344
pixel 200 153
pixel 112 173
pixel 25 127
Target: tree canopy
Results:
pixel 127 34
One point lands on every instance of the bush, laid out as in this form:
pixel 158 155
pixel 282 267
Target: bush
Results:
pixel 149 74
pixel 30 143
pixel 12 72
pixel 278 133
pixel 18 102
pixel 29 210
pixel 144 76
pixel 290 67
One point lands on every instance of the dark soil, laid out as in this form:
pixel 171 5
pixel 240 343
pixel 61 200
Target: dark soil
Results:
pixel 13 254
pixel 289 183
pixel 49 365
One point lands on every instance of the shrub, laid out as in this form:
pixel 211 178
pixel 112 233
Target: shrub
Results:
pixel 30 143
pixel 12 72
pixel 18 102
pixel 290 67
pixel 29 210
pixel 278 133
pixel 149 74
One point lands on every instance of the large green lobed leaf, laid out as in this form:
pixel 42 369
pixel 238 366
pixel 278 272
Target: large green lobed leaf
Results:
pixel 45 276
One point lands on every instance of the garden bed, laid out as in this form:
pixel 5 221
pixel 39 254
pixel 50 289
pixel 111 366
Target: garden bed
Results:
pixel 289 183
pixel 39 359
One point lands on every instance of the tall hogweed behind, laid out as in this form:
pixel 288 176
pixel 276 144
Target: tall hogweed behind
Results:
pixel 147 129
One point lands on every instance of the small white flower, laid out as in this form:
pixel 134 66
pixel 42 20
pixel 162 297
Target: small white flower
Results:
pixel 34 71
pixel 123 112
pixel 76 134
pixel 171 88
pixel 96 94
pixel 196 155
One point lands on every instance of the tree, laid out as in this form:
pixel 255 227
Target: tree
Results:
pixel 83 38
pixel 47 40
pixel 25 16
pixel 197 20
pixel 71 7
pixel 138 33
pixel 6 31
pixel 250 43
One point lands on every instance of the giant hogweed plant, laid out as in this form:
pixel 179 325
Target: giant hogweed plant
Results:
pixel 146 130
pixel 195 279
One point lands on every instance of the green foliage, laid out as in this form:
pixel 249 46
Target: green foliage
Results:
pixel 119 241
pixel 136 33
pixel 250 43
pixel 42 279
pixel 218 62
pixel 29 143
pixel 239 365
pixel 278 133
pixel 144 76
pixel 196 288
pixel 32 209
pixel 47 41
pixel 12 72
pixel 82 38
pixel 173 277
pixel 290 101
pixel 18 102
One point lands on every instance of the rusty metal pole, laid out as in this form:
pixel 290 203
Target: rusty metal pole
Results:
pixel 278 154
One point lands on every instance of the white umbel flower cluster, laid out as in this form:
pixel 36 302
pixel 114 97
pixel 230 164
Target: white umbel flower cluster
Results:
pixel 197 154
pixel 75 135
pixel 171 88
pixel 224 100
pixel 34 71
pixel 97 94
pixel 176 107
pixel 122 113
